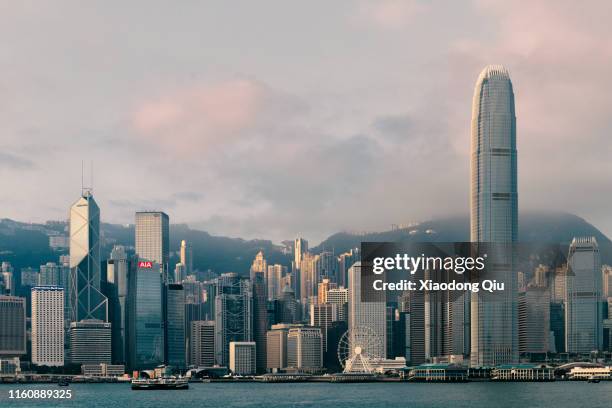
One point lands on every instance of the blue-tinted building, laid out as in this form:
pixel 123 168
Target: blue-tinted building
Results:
pixel 145 317
pixel 175 326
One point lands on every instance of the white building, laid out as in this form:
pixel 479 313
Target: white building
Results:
pixel 242 359
pixel 370 315
pixel 48 326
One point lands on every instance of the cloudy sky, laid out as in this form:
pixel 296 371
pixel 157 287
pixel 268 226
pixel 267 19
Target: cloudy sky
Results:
pixel 274 118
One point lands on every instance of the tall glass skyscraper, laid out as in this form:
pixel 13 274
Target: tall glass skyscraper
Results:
pixel 145 317
pixel 86 298
pixel 175 325
pixel 583 312
pixel 494 215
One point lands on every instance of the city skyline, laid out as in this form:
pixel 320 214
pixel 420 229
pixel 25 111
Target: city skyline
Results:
pixel 157 119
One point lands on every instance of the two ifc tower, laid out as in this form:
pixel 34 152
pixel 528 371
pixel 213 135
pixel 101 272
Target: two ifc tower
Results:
pixel 494 215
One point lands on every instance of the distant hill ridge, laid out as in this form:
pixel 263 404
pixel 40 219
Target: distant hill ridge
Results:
pixel 25 244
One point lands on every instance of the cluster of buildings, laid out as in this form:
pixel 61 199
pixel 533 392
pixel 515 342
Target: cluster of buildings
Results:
pixel 134 311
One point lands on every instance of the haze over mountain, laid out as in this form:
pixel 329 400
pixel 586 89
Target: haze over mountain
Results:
pixel 25 244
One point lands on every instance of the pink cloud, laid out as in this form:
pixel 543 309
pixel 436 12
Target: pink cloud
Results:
pixel 192 119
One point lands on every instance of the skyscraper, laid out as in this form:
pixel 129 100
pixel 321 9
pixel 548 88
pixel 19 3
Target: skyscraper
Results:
pixel 305 349
pixel 86 298
pixel 274 280
pixel 299 248
pixel 175 325
pixel 153 238
pixel 583 312
pixel 202 343
pixel 367 317
pixel 117 271
pixel 12 326
pixel 90 342
pixel 494 214
pixel 145 317
pixel 233 314
pixel 48 326
pixel 187 257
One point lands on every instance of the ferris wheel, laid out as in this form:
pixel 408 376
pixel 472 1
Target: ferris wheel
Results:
pixel 358 348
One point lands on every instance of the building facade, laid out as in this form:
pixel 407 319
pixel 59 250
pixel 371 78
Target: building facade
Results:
pixel 494 215
pixel 48 326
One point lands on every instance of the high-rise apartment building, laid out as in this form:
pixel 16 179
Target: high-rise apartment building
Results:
pixel 494 215
pixel 300 246
pixel 48 326
pixel 187 257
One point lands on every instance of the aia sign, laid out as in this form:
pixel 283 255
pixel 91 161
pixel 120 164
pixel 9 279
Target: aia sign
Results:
pixel 145 264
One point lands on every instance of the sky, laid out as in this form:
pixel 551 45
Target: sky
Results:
pixel 274 119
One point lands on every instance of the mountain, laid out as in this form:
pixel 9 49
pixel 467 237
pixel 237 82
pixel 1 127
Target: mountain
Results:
pixel 25 244
pixel 535 227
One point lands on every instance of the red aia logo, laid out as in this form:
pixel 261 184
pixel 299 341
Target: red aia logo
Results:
pixel 145 264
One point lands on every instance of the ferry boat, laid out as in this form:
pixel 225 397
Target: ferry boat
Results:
pixel 162 383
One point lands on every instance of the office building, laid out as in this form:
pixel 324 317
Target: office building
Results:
pixel 367 317
pixel 322 316
pixel 153 238
pixel 583 311
pixel 117 271
pixel 145 317
pixel 305 349
pixel 48 326
pixel 175 326
pixel 86 299
pixel 12 326
pixel 275 280
pixel 90 342
pixel 494 215
pixel 534 320
pixel 233 314
pixel 242 357
pixel 276 346
pixel 202 345
pixel 339 296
